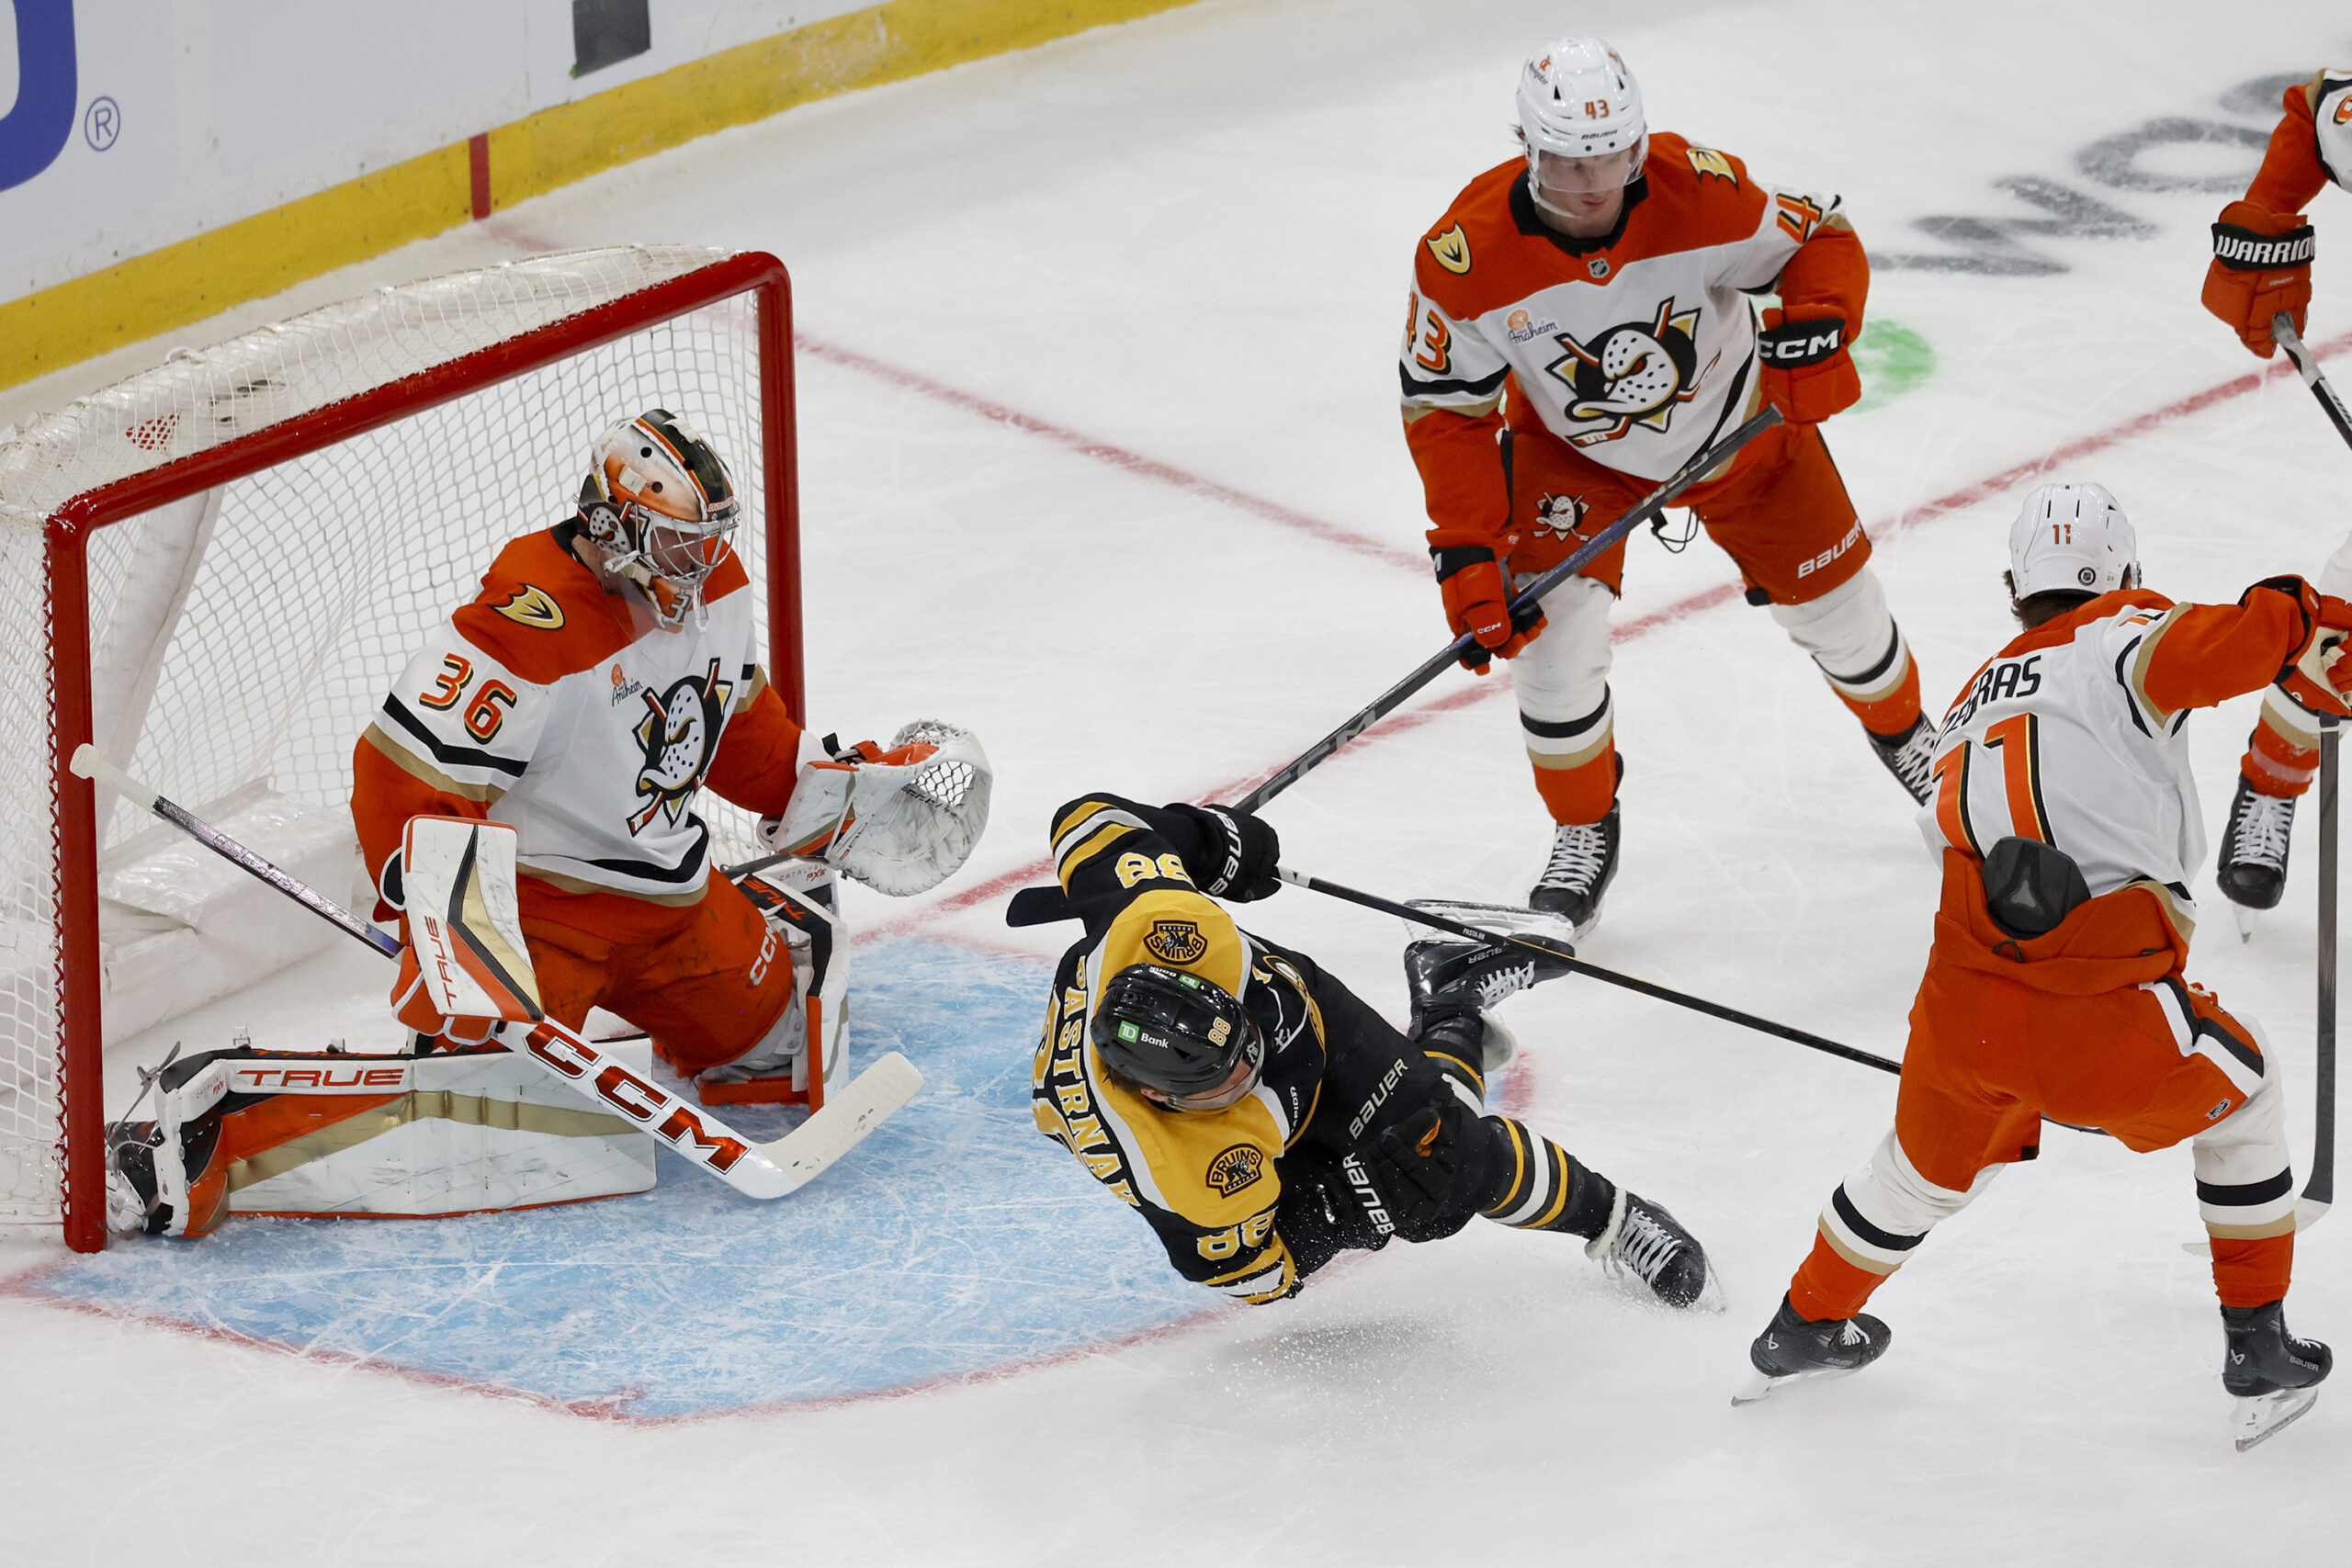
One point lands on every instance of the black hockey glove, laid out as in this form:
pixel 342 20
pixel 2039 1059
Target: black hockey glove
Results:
pixel 1329 1206
pixel 1233 854
pixel 1435 1167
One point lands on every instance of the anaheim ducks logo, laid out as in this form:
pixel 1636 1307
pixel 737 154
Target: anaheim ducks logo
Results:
pixel 1235 1169
pixel 533 607
pixel 1558 516
pixel 1176 941
pixel 1451 250
pixel 679 733
pixel 1634 373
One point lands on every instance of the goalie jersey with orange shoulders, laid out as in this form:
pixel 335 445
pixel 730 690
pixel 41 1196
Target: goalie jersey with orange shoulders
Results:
pixel 1636 348
pixel 1207 1182
pixel 563 709
pixel 2072 735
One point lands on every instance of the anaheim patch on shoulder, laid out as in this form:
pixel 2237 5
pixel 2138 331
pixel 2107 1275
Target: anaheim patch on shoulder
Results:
pixel 1236 1168
pixel 1451 250
pixel 1176 941
pixel 1707 161
pixel 533 607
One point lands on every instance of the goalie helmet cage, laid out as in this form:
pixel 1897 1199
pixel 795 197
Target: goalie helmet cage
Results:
pixel 215 569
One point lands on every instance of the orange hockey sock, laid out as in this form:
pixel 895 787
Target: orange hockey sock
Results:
pixel 2250 1273
pixel 1827 1286
pixel 1891 714
pixel 2274 765
pixel 1581 794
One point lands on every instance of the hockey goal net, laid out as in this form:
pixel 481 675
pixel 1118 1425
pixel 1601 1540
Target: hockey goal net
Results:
pixel 214 569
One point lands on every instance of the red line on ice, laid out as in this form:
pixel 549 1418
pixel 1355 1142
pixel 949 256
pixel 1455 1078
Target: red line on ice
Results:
pixel 1117 456
pixel 1006 882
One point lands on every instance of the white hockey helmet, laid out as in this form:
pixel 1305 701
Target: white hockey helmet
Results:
pixel 1580 116
pixel 660 504
pixel 2072 539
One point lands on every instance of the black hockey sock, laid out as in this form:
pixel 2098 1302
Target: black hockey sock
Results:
pixel 1543 1188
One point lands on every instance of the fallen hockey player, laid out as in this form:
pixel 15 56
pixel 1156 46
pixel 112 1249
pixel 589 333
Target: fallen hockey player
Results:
pixel 1257 1114
pixel 2066 819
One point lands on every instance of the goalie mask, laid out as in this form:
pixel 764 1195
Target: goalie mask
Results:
pixel 660 505
pixel 1172 1030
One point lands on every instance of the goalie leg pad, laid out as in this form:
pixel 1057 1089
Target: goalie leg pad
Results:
pixel 296 1133
pixel 797 900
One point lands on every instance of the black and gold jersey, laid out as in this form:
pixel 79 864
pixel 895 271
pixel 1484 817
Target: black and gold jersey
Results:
pixel 1205 1180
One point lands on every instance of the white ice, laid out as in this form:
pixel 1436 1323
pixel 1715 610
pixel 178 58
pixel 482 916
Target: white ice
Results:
pixel 1187 238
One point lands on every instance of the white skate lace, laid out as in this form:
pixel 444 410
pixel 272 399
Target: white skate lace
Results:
pixel 1913 763
pixel 2258 836
pixel 1645 1246
pixel 1505 982
pixel 1578 852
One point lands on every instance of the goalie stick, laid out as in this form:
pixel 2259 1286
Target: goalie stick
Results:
pixel 757 1170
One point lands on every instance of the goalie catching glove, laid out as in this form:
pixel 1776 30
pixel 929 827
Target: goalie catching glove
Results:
pixel 900 819
pixel 465 969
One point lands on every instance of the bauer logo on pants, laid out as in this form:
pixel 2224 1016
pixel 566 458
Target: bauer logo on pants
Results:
pixel 1176 941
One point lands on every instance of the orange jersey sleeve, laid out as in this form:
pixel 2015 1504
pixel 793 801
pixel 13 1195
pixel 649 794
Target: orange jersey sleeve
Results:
pixel 759 757
pixel 2291 172
pixel 2199 655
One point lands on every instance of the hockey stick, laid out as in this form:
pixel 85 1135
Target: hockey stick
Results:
pixel 756 1170
pixel 2318 1191
pixel 2283 331
pixel 1644 511
pixel 1043 905
pixel 1578 966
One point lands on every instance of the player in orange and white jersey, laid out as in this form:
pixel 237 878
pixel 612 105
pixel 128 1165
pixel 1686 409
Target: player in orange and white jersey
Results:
pixel 606 674
pixel 2067 822
pixel 1579 326
pixel 2262 266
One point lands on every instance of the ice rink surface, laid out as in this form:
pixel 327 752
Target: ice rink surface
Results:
pixel 1100 456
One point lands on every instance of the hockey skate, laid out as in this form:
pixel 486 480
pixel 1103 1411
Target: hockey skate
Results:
pixel 2252 868
pixel 1792 1349
pixel 1583 863
pixel 1446 975
pixel 1910 757
pixel 2272 1376
pixel 1644 1241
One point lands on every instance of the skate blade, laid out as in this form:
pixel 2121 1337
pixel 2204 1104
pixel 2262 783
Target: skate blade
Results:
pixel 1762 1386
pixel 1504 919
pixel 2260 1418
pixel 2246 918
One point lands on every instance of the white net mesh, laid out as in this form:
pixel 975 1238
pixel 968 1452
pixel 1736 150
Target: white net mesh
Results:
pixel 243 638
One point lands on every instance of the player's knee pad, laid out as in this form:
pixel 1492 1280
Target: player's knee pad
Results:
pixel 1848 631
pixel 2249 1143
pixel 1564 674
pixel 1886 1208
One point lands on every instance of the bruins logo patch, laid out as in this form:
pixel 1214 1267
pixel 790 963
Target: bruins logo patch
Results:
pixel 1235 1169
pixel 1176 941
pixel 533 607
pixel 1451 250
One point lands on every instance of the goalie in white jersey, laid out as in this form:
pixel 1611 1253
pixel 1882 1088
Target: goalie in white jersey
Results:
pixel 2067 822
pixel 604 675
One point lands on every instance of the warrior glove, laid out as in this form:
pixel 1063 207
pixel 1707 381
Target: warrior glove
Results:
pixel 2262 265
pixel 1804 368
pixel 2317 677
pixel 1477 600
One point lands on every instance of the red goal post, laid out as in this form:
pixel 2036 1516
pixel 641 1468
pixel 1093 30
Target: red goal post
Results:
pixel 214 569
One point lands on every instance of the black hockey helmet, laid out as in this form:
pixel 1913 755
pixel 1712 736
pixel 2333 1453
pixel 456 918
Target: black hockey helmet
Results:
pixel 1172 1030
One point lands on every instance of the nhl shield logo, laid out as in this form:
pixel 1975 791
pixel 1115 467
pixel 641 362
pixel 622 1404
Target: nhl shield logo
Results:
pixel 1598 268
pixel 1176 941
pixel 1235 1169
